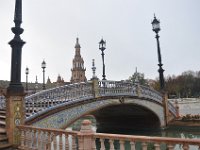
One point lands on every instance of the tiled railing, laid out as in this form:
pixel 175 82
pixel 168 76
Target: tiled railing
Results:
pixel 72 93
pixel 2 102
pixel 50 98
pixel 112 88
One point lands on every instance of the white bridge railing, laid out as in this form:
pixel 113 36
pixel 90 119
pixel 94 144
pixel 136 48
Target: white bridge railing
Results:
pixel 72 93
pixel 48 99
pixel 113 88
pixel 86 139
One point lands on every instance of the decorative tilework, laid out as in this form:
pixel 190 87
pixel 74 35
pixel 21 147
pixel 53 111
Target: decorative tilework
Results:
pixel 65 117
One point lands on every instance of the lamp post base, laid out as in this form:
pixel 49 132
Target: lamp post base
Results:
pixel 15 89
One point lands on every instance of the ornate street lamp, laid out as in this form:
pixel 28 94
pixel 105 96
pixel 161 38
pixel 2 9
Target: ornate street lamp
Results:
pixel 15 87
pixel 102 47
pixel 156 28
pixel 43 65
pixel 93 69
pixel 27 72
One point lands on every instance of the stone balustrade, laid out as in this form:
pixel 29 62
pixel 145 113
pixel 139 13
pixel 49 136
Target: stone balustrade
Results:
pixel 50 98
pixel 150 93
pixel 46 139
pixel 2 102
pixel 172 108
pixel 72 93
pixel 113 88
pixel 87 139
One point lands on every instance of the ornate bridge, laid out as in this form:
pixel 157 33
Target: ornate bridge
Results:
pixel 60 106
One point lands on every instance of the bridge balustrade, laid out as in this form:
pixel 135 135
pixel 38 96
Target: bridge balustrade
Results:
pixel 50 98
pixel 72 93
pixel 2 102
pixel 172 108
pixel 151 94
pixel 115 88
pixel 47 139
pixel 56 139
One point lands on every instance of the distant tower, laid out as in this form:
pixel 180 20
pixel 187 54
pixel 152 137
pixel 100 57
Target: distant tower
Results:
pixel 60 81
pixel 78 70
pixel 48 81
pixel 36 84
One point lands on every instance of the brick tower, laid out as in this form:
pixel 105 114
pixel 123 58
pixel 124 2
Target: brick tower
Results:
pixel 78 70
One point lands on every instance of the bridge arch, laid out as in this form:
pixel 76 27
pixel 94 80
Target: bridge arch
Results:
pixel 64 115
pixel 127 118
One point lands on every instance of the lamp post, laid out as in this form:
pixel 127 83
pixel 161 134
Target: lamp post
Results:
pixel 27 72
pixel 102 47
pixel 156 28
pixel 43 65
pixel 15 87
pixel 36 84
pixel 93 69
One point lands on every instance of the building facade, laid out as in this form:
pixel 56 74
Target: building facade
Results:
pixel 78 69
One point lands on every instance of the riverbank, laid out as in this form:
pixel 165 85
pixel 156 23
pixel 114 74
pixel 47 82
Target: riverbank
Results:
pixel 186 123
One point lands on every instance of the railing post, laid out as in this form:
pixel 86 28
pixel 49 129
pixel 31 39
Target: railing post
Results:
pixel 121 142
pixel 165 106
pixel 144 146
pixel 22 146
pixel 132 143
pixel 170 146
pixel 86 136
pixel 95 87
pixel 177 108
pixel 15 114
pixel 157 146
pixel 138 90
pixel 185 147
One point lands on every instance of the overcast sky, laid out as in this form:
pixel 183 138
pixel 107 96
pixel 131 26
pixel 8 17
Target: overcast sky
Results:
pixel 51 28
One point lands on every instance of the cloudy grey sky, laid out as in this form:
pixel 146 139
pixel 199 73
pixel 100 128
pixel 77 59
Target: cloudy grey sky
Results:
pixel 51 28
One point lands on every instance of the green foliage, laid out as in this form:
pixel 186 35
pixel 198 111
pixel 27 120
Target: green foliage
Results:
pixel 190 117
pixel 185 85
pixel 140 77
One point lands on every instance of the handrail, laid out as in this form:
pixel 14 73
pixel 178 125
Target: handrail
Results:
pixel 47 99
pixel 85 139
pixel 147 139
pixel 45 139
pixel 26 127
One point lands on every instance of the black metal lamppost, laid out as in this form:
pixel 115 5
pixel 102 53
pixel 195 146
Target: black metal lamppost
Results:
pixel 156 28
pixel 27 72
pixel 15 87
pixel 102 47
pixel 43 65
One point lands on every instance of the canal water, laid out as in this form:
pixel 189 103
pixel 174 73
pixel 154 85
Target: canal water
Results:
pixel 175 132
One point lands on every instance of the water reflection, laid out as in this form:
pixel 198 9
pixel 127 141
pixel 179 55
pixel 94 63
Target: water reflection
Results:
pixel 175 132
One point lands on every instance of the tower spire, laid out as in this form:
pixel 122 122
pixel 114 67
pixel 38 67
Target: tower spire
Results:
pixel 77 43
pixel 15 86
pixel 78 70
